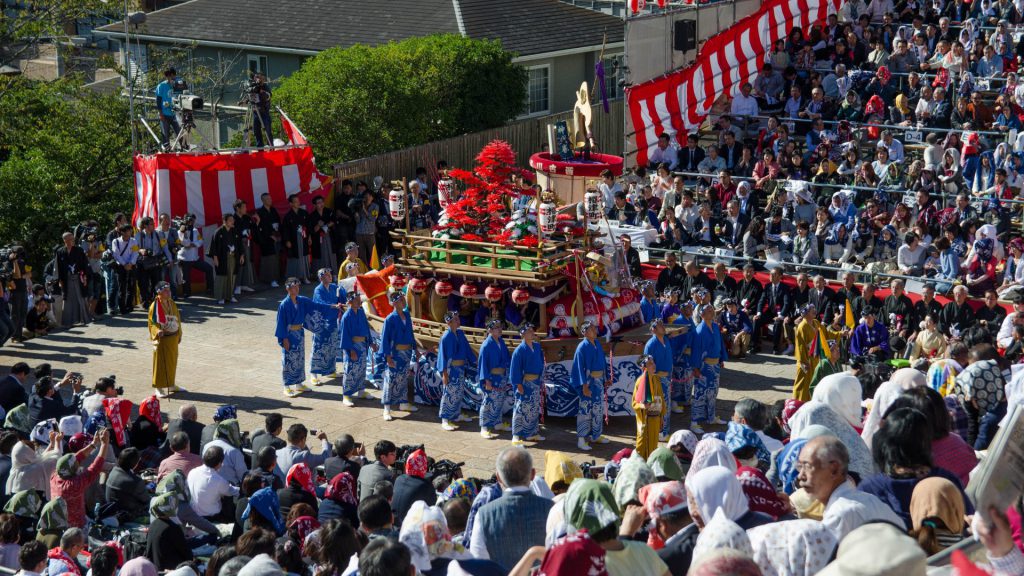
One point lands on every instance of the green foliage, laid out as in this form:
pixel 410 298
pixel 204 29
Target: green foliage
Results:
pixel 27 23
pixel 361 101
pixel 65 157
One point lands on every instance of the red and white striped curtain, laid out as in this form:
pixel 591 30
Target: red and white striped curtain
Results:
pixel 680 101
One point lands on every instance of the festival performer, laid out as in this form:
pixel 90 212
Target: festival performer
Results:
pixel 492 373
pixel 737 327
pixel 671 311
pixel 589 367
pixel 648 404
pixel 323 361
pixel 811 340
pixel 649 301
pixel 659 349
pixel 398 346
pixel 355 338
pixel 293 314
pixel 453 354
pixel 352 257
pixel 165 332
pixel 682 373
pixel 707 353
pixel 870 337
pixel 526 376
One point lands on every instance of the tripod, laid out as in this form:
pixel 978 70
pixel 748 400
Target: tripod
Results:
pixel 188 122
pixel 249 124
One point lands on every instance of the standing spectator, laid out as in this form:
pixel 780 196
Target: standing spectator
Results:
pixel 245 230
pixel 169 126
pixel 150 269
pixel 268 235
pixel 170 243
pixel 70 483
pixel 191 255
pixel 72 274
pixel 366 225
pixel 125 251
pixel 225 250
pixel 18 293
pixel 261 123
pixel 321 230
pixel 506 528
pixel 12 387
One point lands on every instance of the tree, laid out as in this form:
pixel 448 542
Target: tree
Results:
pixel 360 101
pixel 65 157
pixel 30 22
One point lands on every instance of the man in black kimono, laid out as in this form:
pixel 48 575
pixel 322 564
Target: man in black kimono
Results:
pixel 268 236
pixel 296 239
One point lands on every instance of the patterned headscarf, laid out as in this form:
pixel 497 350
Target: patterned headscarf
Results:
pixel 150 410
pixel 795 547
pixel 983 248
pixel 721 532
pixel 590 505
pixel 54 515
pixel 664 464
pixel 67 466
pixel 789 409
pixel 174 483
pixel 740 436
pixel 717 488
pixel 41 431
pixel 228 431
pixel 686 438
pixel 487 494
pixel 833 236
pixel 460 488
pixel 225 412
pixel 164 505
pixel 425 532
pixel 710 452
pixel 70 425
pixel 761 495
pixel 893 237
pixel 304 525
pixel 574 554
pixel 819 413
pixel 264 502
pixel 785 464
pixel 18 419
pixel 342 489
pixel 560 467
pixel 25 504
pixel 725 561
pixel 300 474
pixel 95 421
pixel 118 411
pixel 634 474
pixel 658 499
pixel 416 464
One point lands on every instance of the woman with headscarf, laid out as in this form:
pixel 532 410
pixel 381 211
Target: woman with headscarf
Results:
pixel 569 556
pixel 885 395
pixel 25 505
pixel 70 482
pixel 633 475
pixel 175 483
pixel 710 451
pixel 665 465
pixel 792 548
pixel 166 545
pixel 886 248
pixel 981 268
pixel 412 486
pixel 761 494
pixel 841 208
pixel 30 469
pixel 815 412
pixel 53 521
pixel 901 113
pixel 902 449
pixel 299 487
pixel 746 446
pixel 718 533
pixel 147 432
pixel 590 506
pixel 850 107
pixel 340 500
pixel 842 393
pixel 981 390
pixel 560 471
pixel 838 245
pixel 717 488
pixel 264 510
pixel 425 533
pixel 936 515
pixel 138 567
pixel 1013 276
pixel 725 561
pixel 950 173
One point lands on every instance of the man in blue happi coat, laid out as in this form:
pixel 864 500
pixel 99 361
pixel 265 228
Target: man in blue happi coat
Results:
pixel 355 350
pixel 492 377
pixel 295 313
pixel 398 345
pixel 587 378
pixel 527 378
pixel 323 360
pixel 453 358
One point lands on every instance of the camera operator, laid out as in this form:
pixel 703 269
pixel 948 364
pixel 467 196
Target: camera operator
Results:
pixel 126 254
pixel 109 266
pixel 191 255
pixel 6 326
pixel 105 387
pixel 46 402
pixel 169 241
pixel 152 260
pixel 18 291
pixel 169 126
pixel 72 267
pixel 88 236
pixel 260 93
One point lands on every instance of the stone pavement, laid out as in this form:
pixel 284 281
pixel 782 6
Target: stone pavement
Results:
pixel 228 355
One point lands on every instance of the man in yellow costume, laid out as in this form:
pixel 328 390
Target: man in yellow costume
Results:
pixel 648 403
pixel 165 332
pixel 810 347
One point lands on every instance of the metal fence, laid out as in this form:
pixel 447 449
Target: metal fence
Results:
pixel 526 136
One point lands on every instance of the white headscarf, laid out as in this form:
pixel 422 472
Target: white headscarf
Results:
pixel 815 412
pixel 425 532
pixel 720 533
pixel 710 452
pixel 841 392
pixel 31 470
pixel 792 548
pixel 902 379
pixel 717 488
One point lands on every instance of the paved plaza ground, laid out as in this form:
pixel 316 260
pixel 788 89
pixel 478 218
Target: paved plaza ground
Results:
pixel 228 355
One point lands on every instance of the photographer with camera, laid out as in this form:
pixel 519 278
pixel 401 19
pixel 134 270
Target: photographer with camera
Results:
pixel 126 254
pixel 191 255
pixel 152 260
pixel 88 236
pixel 169 126
pixel 46 401
pixel 259 94
pixel 15 274
pixel 109 266
pixel 226 251
pixel 72 267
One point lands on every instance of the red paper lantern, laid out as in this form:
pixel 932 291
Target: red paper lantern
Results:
pixel 469 290
pixel 443 288
pixel 520 296
pixel 398 280
pixel 493 293
pixel 418 285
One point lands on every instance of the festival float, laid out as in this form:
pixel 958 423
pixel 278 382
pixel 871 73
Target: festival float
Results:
pixel 499 245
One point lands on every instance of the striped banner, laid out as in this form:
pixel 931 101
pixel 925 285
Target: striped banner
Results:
pixel 680 101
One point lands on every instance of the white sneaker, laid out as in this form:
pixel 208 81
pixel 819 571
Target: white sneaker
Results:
pixel 291 392
pixel 347 401
pixel 238 290
pixel 274 284
pixel 718 421
pixel 677 408
pixel 536 438
pixel 446 425
pixel 315 380
pixel 162 393
pixel 517 441
pixel 602 439
pixel 234 300
pixel 662 437
pixel 504 427
pixel 488 434
pixel 300 388
pixel 408 407
pixel 387 416
pixel 463 418
pixel 364 394
pixel 335 375
pixel 582 445
pixel 696 429
pixel 248 289
pixel 221 302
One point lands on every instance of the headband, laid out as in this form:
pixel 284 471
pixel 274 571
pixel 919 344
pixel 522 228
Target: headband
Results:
pixel 351 296
pixel 495 323
pixel 587 325
pixel 655 323
pixel 161 286
pixel 642 360
pixel 450 315
pixel 291 282
pixel 351 246
pixel 323 272
pixel 526 326
pixel 395 296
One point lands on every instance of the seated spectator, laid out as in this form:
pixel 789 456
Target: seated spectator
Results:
pixel 263 510
pixel 937 515
pixel 340 500
pixel 338 545
pixel 385 453
pixel 376 519
pixel 181 457
pixel 297 452
pixel 46 402
pixel 347 456
pixel 37 322
pixel 10 536
pixel 222 413
pixel 228 438
pixel 208 488
pixel 147 433
pixel 176 483
pixel 186 422
pixel 104 561
pixel 299 487
pixel 70 482
pixel 126 490
pixel 32 558
pixel 270 435
pixel 385 557
pixel 266 468
pixel 412 486
pixel 64 559
pixel 166 545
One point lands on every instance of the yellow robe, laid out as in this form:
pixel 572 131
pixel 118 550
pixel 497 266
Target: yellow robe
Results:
pixel 648 408
pixel 806 334
pixel 165 349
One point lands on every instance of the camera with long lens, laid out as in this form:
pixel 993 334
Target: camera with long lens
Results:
pixel 184 221
pixel 8 256
pixel 250 91
pixel 188 102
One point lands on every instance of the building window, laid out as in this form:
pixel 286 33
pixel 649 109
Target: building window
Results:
pixel 258 64
pixel 612 75
pixel 538 89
